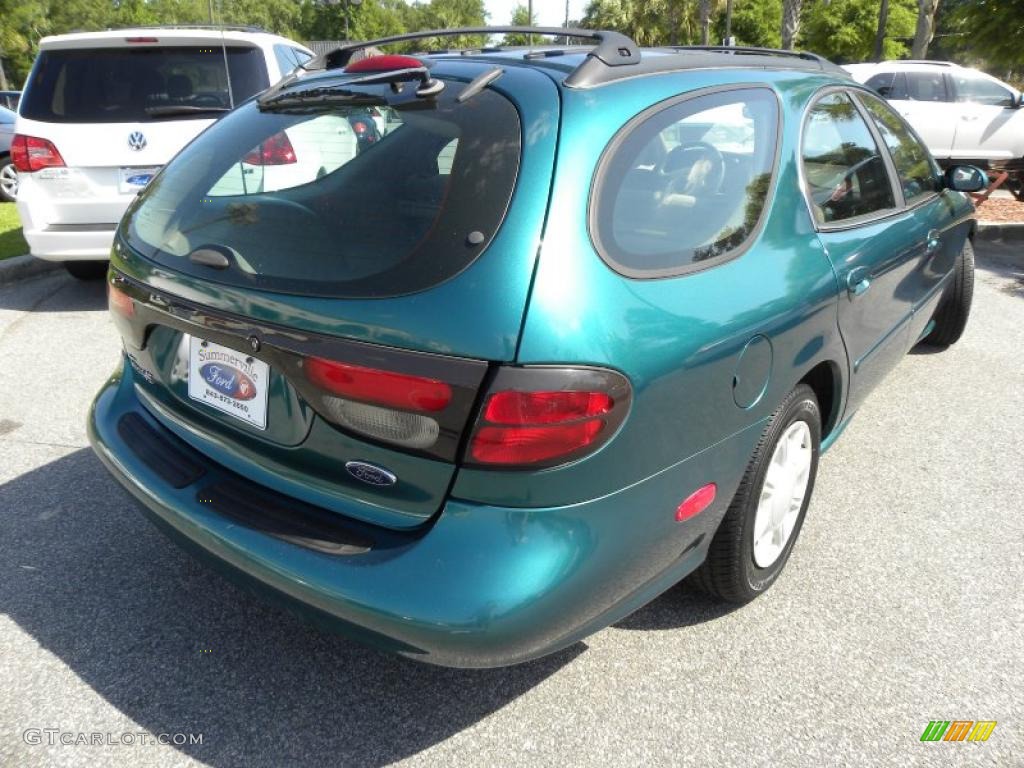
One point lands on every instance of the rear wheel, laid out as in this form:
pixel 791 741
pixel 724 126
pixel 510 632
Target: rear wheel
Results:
pixel 756 536
pixel 8 180
pixel 955 305
pixel 87 270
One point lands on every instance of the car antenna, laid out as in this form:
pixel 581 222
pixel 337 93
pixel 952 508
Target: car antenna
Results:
pixel 224 52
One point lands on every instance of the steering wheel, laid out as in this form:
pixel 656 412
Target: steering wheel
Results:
pixel 695 167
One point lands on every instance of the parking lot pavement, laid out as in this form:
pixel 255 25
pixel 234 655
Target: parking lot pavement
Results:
pixel 902 603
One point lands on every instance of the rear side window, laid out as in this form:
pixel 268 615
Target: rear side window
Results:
pixel 297 203
pixel 844 172
pixel 918 174
pixel 685 183
pixel 925 86
pixel 122 85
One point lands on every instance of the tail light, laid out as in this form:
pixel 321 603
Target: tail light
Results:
pixel 119 301
pixel 393 407
pixel 31 154
pixel 277 150
pixel 541 417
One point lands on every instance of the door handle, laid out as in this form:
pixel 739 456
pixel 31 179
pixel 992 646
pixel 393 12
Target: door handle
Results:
pixel 858 280
pixel 933 242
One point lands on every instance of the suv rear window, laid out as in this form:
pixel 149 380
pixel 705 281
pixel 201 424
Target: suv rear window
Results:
pixel 127 85
pixel 308 200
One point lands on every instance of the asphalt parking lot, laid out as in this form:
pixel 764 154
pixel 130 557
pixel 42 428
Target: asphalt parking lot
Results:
pixel 902 602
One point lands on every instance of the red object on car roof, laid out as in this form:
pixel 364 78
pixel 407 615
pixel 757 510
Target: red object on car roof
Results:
pixel 384 63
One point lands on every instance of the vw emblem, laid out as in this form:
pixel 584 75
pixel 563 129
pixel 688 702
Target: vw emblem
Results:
pixel 136 141
pixel 370 473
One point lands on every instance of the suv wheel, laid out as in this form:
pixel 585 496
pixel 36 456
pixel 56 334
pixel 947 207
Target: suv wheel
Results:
pixel 87 270
pixel 757 534
pixel 8 180
pixel 955 305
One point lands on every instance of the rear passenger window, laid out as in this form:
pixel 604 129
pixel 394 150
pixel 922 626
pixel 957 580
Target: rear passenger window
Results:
pixel 890 85
pixel 919 175
pixel 844 171
pixel 925 86
pixel 686 184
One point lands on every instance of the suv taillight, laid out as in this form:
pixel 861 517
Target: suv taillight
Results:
pixel 31 154
pixel 276 150
pixel 541 417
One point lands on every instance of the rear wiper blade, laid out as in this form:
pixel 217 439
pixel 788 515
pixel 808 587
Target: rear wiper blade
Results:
pixel 311 97
pixel 183 109
pixel 276 97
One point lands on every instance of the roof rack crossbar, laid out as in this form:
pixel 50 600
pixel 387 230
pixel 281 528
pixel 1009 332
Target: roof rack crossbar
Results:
pixel 612 49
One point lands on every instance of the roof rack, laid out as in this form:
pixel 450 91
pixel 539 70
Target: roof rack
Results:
pixel 751 50
pixel 613 49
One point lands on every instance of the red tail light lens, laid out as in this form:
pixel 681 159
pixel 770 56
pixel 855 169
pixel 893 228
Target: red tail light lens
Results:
pixel 545 407
pixel 541 417
pixel 369 385
pixel 529 445
pixel 119 301
pixel 31 154
pixel 277 150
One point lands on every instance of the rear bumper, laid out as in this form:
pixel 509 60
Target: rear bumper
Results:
pixel 67 244
pixel 481 586
pixel 73 225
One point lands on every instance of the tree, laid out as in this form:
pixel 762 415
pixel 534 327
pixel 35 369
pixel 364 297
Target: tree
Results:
pixel 883 20
pixel 756 22
pixel 991 31
pixel 925 28
pixel 520 18
pixel 791 10
pixel 705 22
pixel 847 30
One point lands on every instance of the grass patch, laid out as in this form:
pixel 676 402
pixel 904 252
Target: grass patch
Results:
pixel 11 241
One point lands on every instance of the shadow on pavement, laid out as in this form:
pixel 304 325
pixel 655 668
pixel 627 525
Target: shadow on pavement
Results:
pixel 56 292
pixel 178 649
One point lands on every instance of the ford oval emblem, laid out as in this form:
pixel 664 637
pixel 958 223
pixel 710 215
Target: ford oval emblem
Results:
pixel 228 381
pixel 136 141
pixel 370 474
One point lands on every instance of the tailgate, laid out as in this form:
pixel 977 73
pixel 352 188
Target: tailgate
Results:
pixel 370 383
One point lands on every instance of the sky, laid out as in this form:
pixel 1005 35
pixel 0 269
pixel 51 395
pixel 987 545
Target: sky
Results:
pixel 548 13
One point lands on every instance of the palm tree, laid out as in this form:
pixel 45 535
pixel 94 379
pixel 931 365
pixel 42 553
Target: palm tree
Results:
pixel 925 28
pixel 791 21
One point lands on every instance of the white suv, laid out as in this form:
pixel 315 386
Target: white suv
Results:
pixel 962 114
pixel 103 111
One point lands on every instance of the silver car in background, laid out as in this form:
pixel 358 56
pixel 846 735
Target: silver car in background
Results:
pixel 8 174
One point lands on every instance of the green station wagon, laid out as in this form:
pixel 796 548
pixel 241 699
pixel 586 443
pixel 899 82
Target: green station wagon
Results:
pixel 577 326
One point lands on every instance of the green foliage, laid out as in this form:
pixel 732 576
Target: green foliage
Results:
pixel 844 30
pixel 520 18
pixel 754 22
pixel 988 31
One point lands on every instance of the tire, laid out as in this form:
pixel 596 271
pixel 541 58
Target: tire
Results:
pixel 955 305
pixel 87 270
pixel 731 571
pixel 8 180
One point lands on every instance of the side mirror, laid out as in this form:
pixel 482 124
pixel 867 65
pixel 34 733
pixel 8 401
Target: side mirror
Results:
pixel 965 178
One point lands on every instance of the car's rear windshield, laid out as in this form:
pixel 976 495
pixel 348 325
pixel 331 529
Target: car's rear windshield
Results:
pixel 331 198
pixel 127 85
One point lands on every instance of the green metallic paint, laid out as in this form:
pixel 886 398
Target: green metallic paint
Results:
pixel 519 564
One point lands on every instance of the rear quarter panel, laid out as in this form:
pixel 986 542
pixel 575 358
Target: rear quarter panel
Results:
pixel 677 339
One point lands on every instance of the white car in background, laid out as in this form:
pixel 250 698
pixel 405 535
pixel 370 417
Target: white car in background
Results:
pixel 962 114
pixel 102 112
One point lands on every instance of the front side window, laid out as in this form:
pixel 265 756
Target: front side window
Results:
pixel 298 203
pixel 685 184
pixel 926 86
pixel 978 90
pixel 844 172
pixel 918 174
pixel 889 85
